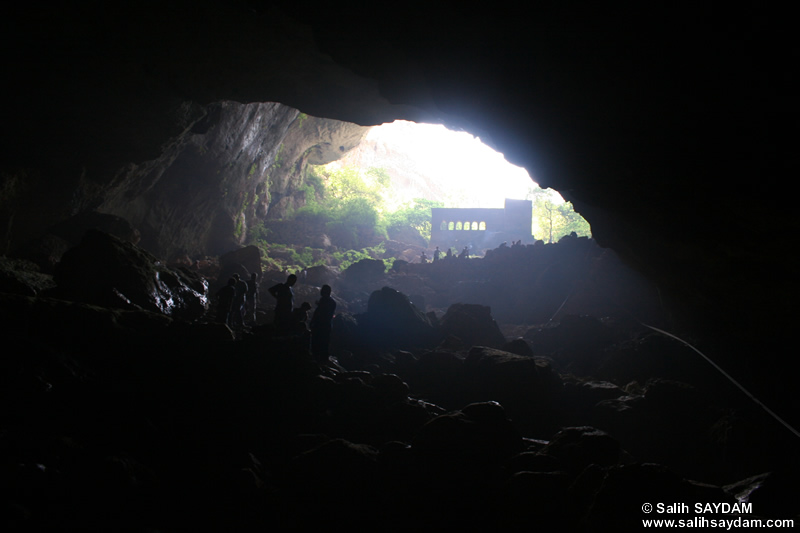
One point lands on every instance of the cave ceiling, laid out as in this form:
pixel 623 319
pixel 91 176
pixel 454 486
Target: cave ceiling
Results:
pixel 659 124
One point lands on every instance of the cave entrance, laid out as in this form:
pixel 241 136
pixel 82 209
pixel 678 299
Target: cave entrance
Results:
pixel 476 195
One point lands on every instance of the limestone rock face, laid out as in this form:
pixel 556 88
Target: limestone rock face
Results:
pixel 236 164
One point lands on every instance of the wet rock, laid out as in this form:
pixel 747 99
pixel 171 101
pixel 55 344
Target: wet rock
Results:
pixel 473 324
pixel 107 271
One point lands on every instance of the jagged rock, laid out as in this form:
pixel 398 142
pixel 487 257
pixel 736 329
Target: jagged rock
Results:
pixel 473 324
pixel 104 270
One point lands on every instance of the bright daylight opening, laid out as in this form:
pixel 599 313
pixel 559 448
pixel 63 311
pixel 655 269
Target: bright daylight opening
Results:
pixel 424 166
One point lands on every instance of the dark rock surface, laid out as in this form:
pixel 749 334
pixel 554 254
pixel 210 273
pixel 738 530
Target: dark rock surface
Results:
pixel 106 271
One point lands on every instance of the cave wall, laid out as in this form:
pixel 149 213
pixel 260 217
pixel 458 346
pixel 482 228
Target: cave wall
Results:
pixel 663 126
pixel 236 165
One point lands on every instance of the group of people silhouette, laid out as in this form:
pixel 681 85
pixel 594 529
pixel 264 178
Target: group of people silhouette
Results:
pixel 437 255
pixel 237 302
pixel 294 320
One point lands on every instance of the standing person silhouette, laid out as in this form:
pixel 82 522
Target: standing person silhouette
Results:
pixel 284 296
pixel 321 324
pixel 252 298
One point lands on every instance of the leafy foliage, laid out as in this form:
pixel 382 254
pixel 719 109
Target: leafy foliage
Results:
pixel 553 219
pixel 416 214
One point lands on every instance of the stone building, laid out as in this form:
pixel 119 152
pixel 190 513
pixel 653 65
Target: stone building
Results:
pixel 482 228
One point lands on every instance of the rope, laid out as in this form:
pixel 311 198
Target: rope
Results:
pixel 729 378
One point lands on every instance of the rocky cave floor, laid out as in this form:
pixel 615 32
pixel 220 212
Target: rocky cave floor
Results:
pixel 116 416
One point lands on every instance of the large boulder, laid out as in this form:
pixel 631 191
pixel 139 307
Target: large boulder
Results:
pixel 243 261
pixel 365 271
pixel 527 387
pixel 320 275
pixel 393 321
pixel 473 324
pixel 104 270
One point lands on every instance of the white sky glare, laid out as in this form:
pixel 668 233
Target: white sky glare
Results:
pixel 430 161
pixel 473 174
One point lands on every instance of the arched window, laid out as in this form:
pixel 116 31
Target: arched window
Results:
pixel 451 226
pixel 458 226
pixel 466 225
pixel 482 226
pixel 443 225
pixel 474 226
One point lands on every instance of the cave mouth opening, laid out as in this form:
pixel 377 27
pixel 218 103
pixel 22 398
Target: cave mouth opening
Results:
pixel 453 170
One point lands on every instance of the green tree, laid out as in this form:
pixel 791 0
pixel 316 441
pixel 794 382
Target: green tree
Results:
pixel 350 182
pixel 416 214
pixel 553 218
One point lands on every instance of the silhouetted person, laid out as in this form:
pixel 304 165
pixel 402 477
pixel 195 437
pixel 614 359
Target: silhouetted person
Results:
pixel 225 298
pixel 464 253
pixel 252 297
pixel 239 300
pixel 321 324
pixel 300 317
pixel 449 254
pixel 284 296
pixel 437 254
pixel 423 258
